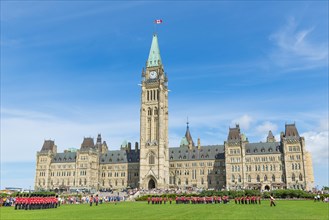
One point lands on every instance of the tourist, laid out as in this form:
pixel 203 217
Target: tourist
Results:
pixel 272 200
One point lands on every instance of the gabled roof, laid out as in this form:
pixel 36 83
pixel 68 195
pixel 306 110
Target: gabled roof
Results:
pixel 154 58
pixel 66 157
pixel 120 156
pixel 263 148
pixel 210 152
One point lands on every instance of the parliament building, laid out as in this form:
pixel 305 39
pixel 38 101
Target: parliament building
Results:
pixel 151 163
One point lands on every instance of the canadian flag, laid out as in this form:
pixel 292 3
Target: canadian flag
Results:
pixel 158 21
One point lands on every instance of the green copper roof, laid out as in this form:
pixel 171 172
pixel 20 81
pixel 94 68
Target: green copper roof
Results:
pixel 154 56
pixel 183 142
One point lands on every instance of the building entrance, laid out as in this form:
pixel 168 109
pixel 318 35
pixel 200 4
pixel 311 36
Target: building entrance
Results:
pixel 151 184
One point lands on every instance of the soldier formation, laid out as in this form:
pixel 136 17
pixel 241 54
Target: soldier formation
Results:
pixel 38 202
pixel 189 200
pixel 247 200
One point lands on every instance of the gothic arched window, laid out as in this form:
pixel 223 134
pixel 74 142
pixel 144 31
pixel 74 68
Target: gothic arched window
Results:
pixel 249 178
pixel 233 178
pixel 273 178
pixel 300 177
pixel 258 178
pixel 265 178
pixel 151 158
pixel 149 111
pixel 293 177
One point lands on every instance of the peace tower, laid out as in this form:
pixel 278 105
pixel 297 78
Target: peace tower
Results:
pixel 154 152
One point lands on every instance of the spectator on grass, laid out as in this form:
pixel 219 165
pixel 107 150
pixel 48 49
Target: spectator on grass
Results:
pixel 272 200
pixel 91 199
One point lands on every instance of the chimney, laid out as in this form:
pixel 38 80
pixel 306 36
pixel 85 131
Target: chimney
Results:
pixel 136 146
pixel 129 146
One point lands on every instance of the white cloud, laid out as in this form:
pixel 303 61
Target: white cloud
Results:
pixel 266 126
pixel 295 50
pixel 317 144
pixel 22 135
pixel 244 121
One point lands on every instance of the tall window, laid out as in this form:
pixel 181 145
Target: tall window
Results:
pixel 233 178
pixel 273 178
pixel 149 128
pixel 300 177
pixel 151 158
pixel 249 178
pixel 156 130
pixel 265 178
pixel 239 179
pixel 293 177
pixel 258 178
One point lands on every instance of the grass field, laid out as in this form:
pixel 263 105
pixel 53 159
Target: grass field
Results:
pixel 140 210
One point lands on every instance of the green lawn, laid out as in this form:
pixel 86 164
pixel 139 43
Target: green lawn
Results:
pixel 140 210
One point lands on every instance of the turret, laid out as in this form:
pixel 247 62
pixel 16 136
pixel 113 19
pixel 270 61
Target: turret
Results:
pixel 270 137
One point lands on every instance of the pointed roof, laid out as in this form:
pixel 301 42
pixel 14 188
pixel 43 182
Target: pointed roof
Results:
pixel 234 133
pixel 188 135
pixel 291 130
pixel 270 137
pixel 154 55
pixel 48 145
pixel 88 143
pixel 270 134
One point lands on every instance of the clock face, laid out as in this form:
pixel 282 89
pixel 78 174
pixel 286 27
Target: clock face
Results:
pixel 153 75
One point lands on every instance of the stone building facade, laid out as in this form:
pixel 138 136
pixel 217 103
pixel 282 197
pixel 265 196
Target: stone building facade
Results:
pixel 151 163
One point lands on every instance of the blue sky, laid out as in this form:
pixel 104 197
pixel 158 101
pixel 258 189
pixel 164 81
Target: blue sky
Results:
pixel 70 70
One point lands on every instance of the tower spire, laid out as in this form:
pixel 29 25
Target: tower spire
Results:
pixel 154 58
pixel 188 135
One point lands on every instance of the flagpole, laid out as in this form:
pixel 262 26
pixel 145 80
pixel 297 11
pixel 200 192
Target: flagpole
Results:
pixel 155 27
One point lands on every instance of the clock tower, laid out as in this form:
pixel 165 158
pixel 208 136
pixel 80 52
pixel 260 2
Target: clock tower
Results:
pixel 154 151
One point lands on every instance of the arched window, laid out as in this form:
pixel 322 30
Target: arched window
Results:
pixel 233 178
pixel 239 179
pixel 149 111
pixel 292 166
pixel 258 178
pixel 151 158
pixel 155 111
pixel 179 182
pixel 232 168
pixel 273 178
pixel 282 178
pixel 300 177
pixel 202 181
pixel 249 178
pixel 293 177
pixel 186 181
pixel 265 178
